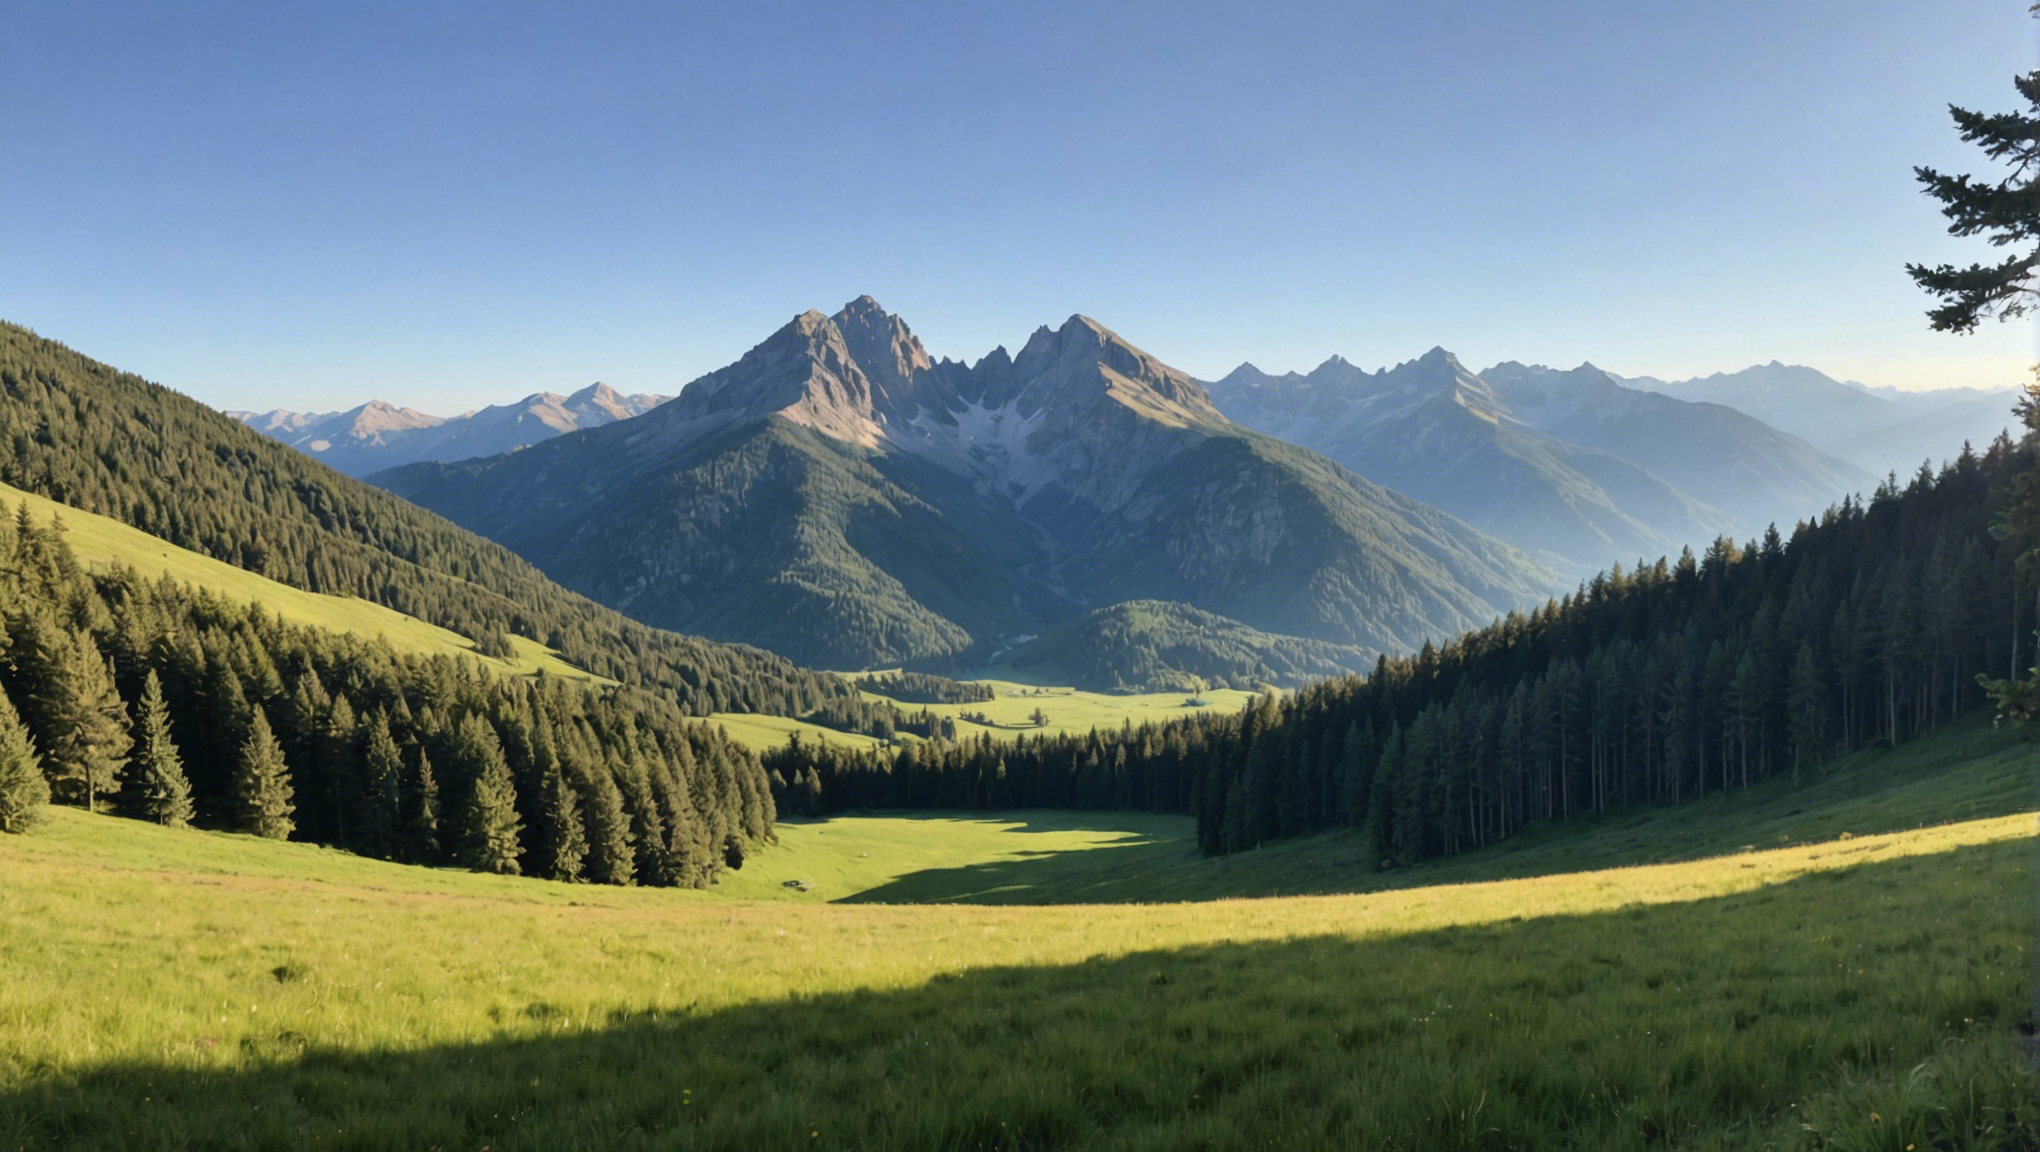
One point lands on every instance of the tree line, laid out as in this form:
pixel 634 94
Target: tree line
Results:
pixel 1661 684
pixel 169 703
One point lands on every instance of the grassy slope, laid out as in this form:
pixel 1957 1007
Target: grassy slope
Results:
pixel 191 988
pixel 99 541
pixel 1067 709
pixel 1965 772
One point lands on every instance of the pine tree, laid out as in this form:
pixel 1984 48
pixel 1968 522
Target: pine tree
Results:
pixel 611 855
pixel 563 844
pixel 382 788
pixel 489 823
pixel 421 824
pixel 262 789
pixel 157 783
pixel 1806 709
pixel 83 723
pixel 24 792
pixel 2006 213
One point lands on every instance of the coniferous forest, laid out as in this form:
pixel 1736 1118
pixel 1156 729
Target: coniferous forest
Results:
pixel 167 703
pixel 108 442
pixel 1662 684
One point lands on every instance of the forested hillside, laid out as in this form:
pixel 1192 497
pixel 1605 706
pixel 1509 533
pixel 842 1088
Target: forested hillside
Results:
pixel 1662 685
pixel 171 704
pixel 1162 646
pixel 109 442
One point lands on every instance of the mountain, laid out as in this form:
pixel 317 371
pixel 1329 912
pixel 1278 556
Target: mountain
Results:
pixel 1879 430
pixel 837 496
pixel 1159 646
pixel 1715 453
pixel 377 435
pixel 1570 466
pixel 111 443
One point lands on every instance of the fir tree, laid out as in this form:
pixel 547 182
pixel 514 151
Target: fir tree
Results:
pixel 421 824
pixel 24 793
pixel 2007 213
pixel 563 844
pixel 611 855
pixel 262 790
pixel 489 823
pixel 160 791
pixel 382 788
pixel 84 725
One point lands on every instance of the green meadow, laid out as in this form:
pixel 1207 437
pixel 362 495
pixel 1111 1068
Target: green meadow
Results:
pixel 1012 707
pixel 1008 714
pixel 1867 985
pixel 100 542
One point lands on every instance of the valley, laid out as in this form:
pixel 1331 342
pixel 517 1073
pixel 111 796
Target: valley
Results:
pixel 495 658
pixel 321 1000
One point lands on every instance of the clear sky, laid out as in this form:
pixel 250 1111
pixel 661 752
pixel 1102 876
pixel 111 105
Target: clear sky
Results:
pixel 308 205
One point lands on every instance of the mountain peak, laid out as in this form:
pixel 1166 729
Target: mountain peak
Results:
pixel 1247 373
pixel 864 307
pixel 884 347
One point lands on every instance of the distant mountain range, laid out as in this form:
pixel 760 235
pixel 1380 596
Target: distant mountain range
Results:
pixel 1880 430
pixel 838 497
pixel 1571 466
pixel 378 435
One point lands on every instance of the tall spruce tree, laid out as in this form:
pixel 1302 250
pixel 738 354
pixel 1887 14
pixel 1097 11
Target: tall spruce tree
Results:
pixel 382 813
pixel 24 792
pixel 263 797
pixel 421 820
pixel 611 852
pixel 84 725
pixel 489 823
pixel 156 778
pixel 563 844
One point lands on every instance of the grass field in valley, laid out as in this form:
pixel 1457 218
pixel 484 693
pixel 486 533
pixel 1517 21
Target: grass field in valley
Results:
pixel 1008 714
pixel 99 541
pixel 180 989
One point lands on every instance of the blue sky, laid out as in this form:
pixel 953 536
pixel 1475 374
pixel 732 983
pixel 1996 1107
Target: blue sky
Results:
pixel 308 205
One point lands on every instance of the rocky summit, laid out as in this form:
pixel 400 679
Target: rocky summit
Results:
pixel 839 496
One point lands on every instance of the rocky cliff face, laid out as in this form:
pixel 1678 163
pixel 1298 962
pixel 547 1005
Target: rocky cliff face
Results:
pixel 839 496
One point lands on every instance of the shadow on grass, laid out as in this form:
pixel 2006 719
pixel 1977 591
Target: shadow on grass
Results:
pixel 1042 875
pixel 1790 1012
pixel 1966 771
